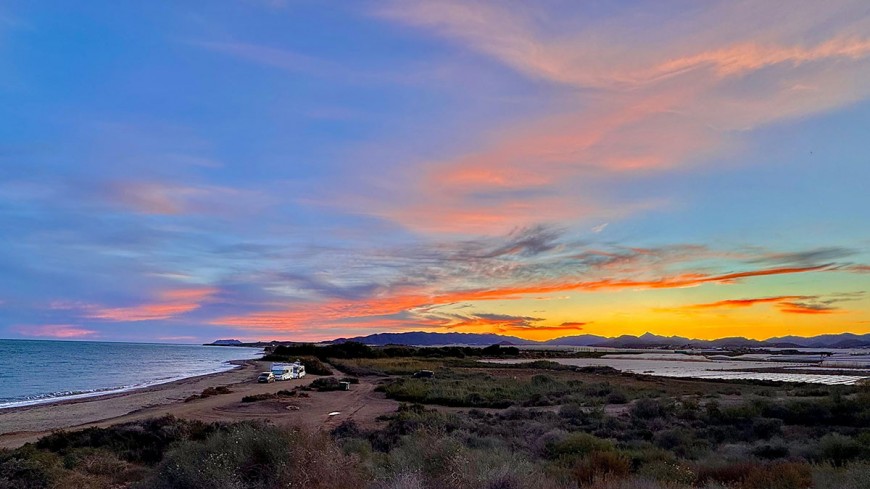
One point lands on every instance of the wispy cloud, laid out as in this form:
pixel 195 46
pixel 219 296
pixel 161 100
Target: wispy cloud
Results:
pixel 789 304
pixel 531 263
pixel 169 304
pixel 643 100
pixel 60 331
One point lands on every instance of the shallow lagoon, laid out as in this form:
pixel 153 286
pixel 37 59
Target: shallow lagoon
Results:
pixel 701 367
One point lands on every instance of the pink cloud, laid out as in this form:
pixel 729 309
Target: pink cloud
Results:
pixel 663 99
pixel 169 304
pixel 65 331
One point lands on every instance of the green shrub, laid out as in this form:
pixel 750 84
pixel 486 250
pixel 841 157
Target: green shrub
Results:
pixel 617 397
pixel 252 455
pixel 649 409
pixel 28 468
pixel 138 442
pixel 839 449
pixel 578 443
pixel 326 384
pixel 314 366
pixel 766 428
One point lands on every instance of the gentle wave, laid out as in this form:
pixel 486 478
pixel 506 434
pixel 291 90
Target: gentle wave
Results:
pixel 40 372
pixel 66 396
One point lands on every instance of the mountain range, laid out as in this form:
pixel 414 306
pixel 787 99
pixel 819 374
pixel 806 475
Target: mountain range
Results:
pixel 647 340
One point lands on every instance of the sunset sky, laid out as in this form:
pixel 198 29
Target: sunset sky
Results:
pixel 303 170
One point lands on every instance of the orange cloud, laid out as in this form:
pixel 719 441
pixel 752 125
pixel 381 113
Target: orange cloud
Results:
pixel 801 309
pixel 789 304
pixel 171 303
pixel 420 305
pixel 734 303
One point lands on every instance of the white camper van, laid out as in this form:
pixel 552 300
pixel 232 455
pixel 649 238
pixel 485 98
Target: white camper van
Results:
pixel 286 371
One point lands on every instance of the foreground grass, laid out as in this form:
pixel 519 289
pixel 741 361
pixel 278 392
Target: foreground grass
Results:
pixel 416 448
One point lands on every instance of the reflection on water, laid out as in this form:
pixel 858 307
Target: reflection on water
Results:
pixel 720 367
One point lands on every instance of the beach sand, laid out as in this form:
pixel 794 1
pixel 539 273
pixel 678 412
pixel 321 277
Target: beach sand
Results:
pixel 362 404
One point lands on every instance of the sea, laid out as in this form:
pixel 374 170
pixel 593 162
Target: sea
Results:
pixel 37 371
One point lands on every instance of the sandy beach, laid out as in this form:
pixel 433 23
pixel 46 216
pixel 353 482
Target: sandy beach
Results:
pixel 362 404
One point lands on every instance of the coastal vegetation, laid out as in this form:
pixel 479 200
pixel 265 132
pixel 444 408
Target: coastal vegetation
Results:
pixel 475 424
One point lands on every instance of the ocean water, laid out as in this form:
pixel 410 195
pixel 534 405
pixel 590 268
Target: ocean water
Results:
pixel 33 372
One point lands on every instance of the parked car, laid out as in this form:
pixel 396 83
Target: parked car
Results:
pixel 266 377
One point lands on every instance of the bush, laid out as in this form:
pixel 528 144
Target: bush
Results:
pixel 28 468
pixel 578 443
pixel 667 471
pixel 617 397
pixel 770 452
pixel 314 366
pixel 269 396
pixel 252 455
pixel 783 475
pixel 601 466
pixel 138 442
pixel 839 449
pixel 209 392
pixel 649 409
pixel 326 384
pixel 766 428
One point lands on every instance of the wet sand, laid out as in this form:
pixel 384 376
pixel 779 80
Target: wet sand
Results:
pixel 362 404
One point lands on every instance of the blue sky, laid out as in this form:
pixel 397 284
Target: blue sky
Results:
pixel 306 170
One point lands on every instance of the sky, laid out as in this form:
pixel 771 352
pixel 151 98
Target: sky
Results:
pixel 306 170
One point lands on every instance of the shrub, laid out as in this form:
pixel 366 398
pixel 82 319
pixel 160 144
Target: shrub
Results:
pixel 578 443
pixel 326 384
pixel 852 476
pixel 601 466
pixel 649 409
pixel 839 449
pixel 252 455
pixel 267 396
pixel 617 397
pixel 209 392
pixel 314 366
pixel 138 442
pixel 732 473
pixel 667 471
pixel 783 475
pixel 28 468
pixel 765 428
pixel 770 452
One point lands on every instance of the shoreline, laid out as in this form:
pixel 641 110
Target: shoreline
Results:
pixel 114 391
pixel 69 413
pixel 364 404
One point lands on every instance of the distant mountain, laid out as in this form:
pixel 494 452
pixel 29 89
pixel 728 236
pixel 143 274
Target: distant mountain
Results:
pixel 419 338
pixel 579 340
pixel 647 340
pixel 226 342
pixel 843 340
